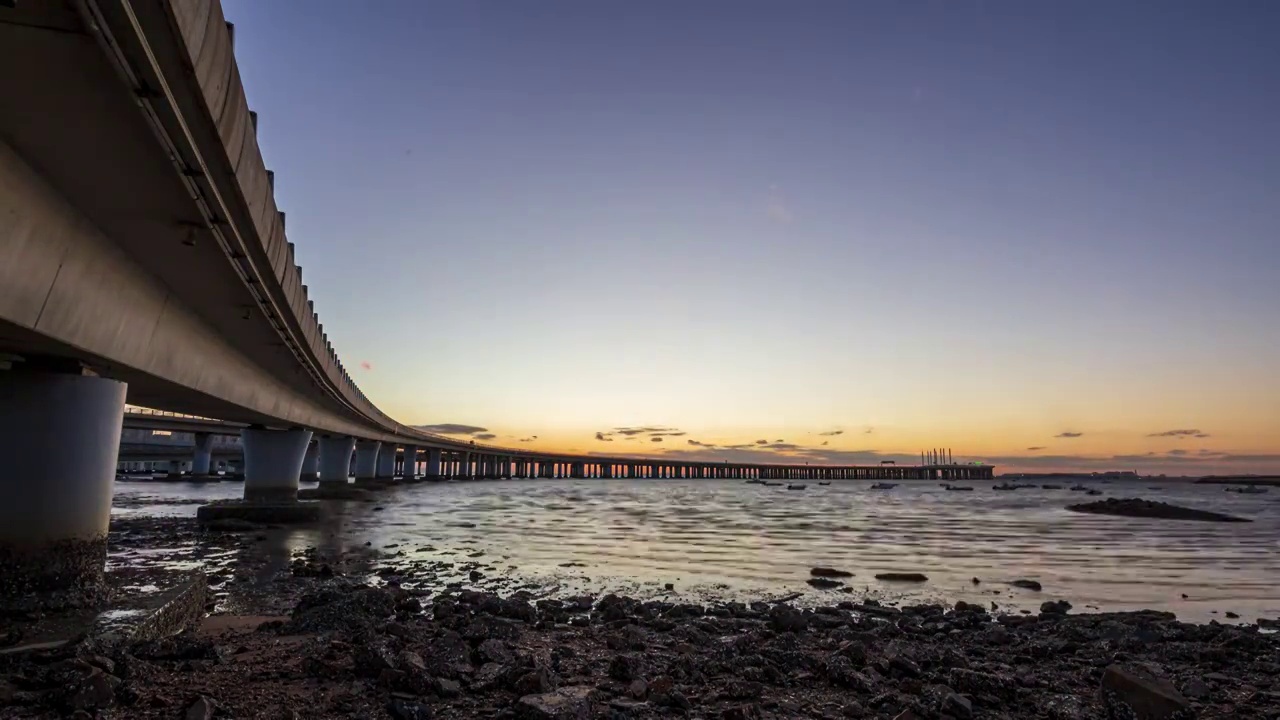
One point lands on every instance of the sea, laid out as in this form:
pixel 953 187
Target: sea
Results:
pixel 706 540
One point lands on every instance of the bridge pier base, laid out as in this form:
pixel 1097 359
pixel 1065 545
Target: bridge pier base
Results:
pixel 272 463
pixel 59 440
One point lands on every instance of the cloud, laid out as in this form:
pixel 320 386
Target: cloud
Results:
pixel 697 443
pixel 777 441
pixel 531 438
pixel 825 442
pixel 1176 452
pixel 603 438
pixel 668 434
pixel 831 433
pixel 366 365
pixel 869 431
pixel 484 436
pixel 655 439
pixel 1068 435
pixel 451 429
pixel 628 431
pixel 1179 434
pixel 762 442
pixel 1036 447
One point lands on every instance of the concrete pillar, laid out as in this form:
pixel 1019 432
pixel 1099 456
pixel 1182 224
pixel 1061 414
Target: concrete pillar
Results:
pixel 366 459
pixel 203 454
pixel 272 463
pixel 59 441
pixel 464 465
pixel 310 462
pixel 410 462
pixel 433 463
pixel 386 461
pixel 334 454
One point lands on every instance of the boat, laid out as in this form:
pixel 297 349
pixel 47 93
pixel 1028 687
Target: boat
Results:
pixel 1079 488
pixel 1051 487
pixel 1093 492
pixel 884 486
pixel 1004 486
pixel 1248 490
pixel 769 484
pixel 828 482
pixel 796 487
pixel 754 482
pixel 958 488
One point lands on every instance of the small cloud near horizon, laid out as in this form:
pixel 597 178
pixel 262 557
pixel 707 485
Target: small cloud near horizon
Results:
pixel 1036 447
pixel 484 436
pixel 603 438
pixel 1068 434
pixel 1182 433
pixel 655 439
pixel 831 433
pixel 366 365
pixel 762 442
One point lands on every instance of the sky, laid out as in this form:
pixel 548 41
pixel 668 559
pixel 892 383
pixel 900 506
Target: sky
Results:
pixel 1045 235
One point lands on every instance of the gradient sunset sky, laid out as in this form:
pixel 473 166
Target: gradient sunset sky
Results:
pixel 1044 234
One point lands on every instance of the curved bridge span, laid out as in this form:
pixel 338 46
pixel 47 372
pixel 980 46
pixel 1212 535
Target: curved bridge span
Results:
pixel 143 257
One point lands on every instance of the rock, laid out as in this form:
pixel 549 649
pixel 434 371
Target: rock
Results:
pixel 476 575
pixel 1027 584
pixel 1232 616
pixel 493 651
pixel 906 715
pixel 201 709
pixel 1196 688
pixel 1055 607
pixel 637 689
pixel 669 586
pixel 447 688
pixel 404 709
pixel 784 618
pixel 742 712
pixel 96 690
pixel 567 703
pixel 957 705
pixel 826 572
pixel 626 667
pixel 1139 508
pixel 901 577
pixel 824 583
pixel 1149 696
pixel 371 658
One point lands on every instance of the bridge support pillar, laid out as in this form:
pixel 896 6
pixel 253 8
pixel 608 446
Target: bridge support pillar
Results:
pixel 333 453
pixel 433 464
pixel 386 462
pixel 310 462
pixel 59 440
pixel 203 454
pixel 366 459
pixel 273 463
pixel 410 472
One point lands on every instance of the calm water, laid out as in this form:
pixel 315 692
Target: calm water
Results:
pixel 726 538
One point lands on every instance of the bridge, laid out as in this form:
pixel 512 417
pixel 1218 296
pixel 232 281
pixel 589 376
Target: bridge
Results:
pixel 143 257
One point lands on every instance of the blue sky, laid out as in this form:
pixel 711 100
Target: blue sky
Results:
pixel 975 224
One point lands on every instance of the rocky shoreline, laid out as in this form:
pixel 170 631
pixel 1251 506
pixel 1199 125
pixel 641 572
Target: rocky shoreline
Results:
pixel 339 636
